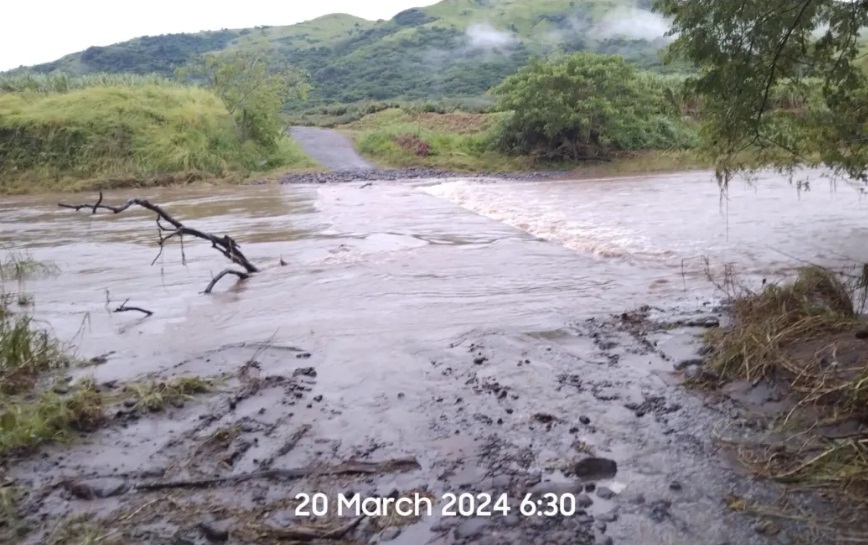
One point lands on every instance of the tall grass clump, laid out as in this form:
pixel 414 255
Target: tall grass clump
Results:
pixel 30 415
pixel 807 338
pixel 19 265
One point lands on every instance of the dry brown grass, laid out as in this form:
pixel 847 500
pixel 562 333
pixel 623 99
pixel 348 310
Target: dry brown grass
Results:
pixel 807 337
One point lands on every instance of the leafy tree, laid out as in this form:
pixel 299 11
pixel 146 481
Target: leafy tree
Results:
pixel 779 78
pixel 582 107
pixel 255 92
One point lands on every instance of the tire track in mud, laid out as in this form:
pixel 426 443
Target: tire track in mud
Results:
pixel 510 414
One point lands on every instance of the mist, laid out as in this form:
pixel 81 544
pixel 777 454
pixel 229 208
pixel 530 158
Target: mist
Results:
pixel 487 37
pixel 635 23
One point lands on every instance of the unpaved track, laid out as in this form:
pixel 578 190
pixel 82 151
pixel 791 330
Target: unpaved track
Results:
pixel 330 148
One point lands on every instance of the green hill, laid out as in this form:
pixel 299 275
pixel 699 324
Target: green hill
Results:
pixel 456 48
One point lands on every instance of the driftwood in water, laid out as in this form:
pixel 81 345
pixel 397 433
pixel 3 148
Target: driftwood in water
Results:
pixel 226 245
pixel 125 308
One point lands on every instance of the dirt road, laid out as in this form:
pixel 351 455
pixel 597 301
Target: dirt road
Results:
pixel 330 148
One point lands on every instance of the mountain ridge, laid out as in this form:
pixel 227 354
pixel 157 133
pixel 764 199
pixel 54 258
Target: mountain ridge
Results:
pixel 455 48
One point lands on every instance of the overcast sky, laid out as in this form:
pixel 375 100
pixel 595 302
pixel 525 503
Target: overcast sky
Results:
pixel 33 32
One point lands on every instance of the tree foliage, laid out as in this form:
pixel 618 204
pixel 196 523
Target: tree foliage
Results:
pixel 585 106
pixel 778 78
pixel 254 91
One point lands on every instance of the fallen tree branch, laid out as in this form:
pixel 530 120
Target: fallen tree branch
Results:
pixel 346 468
pixel 125 308
pixel 226 245
pixel 224 272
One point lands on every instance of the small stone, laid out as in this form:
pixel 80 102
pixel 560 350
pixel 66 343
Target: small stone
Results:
pixel 596 468
pixel 400 395
pixel 583 501
pixel 611 516
pixel 390 533
pixel 690 362
pixel 214 532
pixel 603 540
pixel 584 420
pixel 305 371
pixel 574 430
pixel 590 487
pixel 601 526
pixel 675 486
pixel 480 360
pixel 605 493
pixel 317 398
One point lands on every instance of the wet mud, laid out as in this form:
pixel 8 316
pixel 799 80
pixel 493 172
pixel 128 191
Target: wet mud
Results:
pixel 407 348
pixel 560 412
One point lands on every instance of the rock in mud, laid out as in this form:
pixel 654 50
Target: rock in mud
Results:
pixel 611 516
pixel 595 468
pixel 707 321
pixel 584 420
pixel 412 173
pixel 305 371
pixel 584 501
pixel 690 362
pixel 603 540
pixel 605 493
pixel 214 532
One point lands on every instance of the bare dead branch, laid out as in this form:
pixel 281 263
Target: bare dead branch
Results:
pixel 224 272
pixel 303 533
pixel 226 245
pixel 125 308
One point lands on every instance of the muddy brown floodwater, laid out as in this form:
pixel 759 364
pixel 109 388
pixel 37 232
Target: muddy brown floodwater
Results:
pixel 472 330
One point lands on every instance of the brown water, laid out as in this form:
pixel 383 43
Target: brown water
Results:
pixel 399 261
pixel 381 280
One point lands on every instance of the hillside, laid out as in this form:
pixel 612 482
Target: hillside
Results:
pixel 456 48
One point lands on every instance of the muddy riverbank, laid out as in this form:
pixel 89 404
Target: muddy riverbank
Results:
pixel 402 339
pixel 399 174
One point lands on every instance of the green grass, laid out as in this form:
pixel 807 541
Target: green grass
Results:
pixel 454 141
pixel 458 141
pixel 125 134
pixel 19 265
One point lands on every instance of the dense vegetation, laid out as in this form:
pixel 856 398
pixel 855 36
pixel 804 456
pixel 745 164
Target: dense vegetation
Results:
pixel 784 78
pixel 457 48
pixel 62 132
pixel 587 106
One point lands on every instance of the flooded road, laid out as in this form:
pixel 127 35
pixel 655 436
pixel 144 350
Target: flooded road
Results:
pixel 463 323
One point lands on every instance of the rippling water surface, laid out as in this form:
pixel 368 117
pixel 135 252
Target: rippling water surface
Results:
pixel 397 264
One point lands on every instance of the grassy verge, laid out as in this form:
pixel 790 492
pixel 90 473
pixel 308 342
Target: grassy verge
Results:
pixel 113 135
pixel 459 141
pixel 807 339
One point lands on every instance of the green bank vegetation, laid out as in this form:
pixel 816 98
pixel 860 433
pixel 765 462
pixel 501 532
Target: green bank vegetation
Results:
pixel 38 401
pixel 59 133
